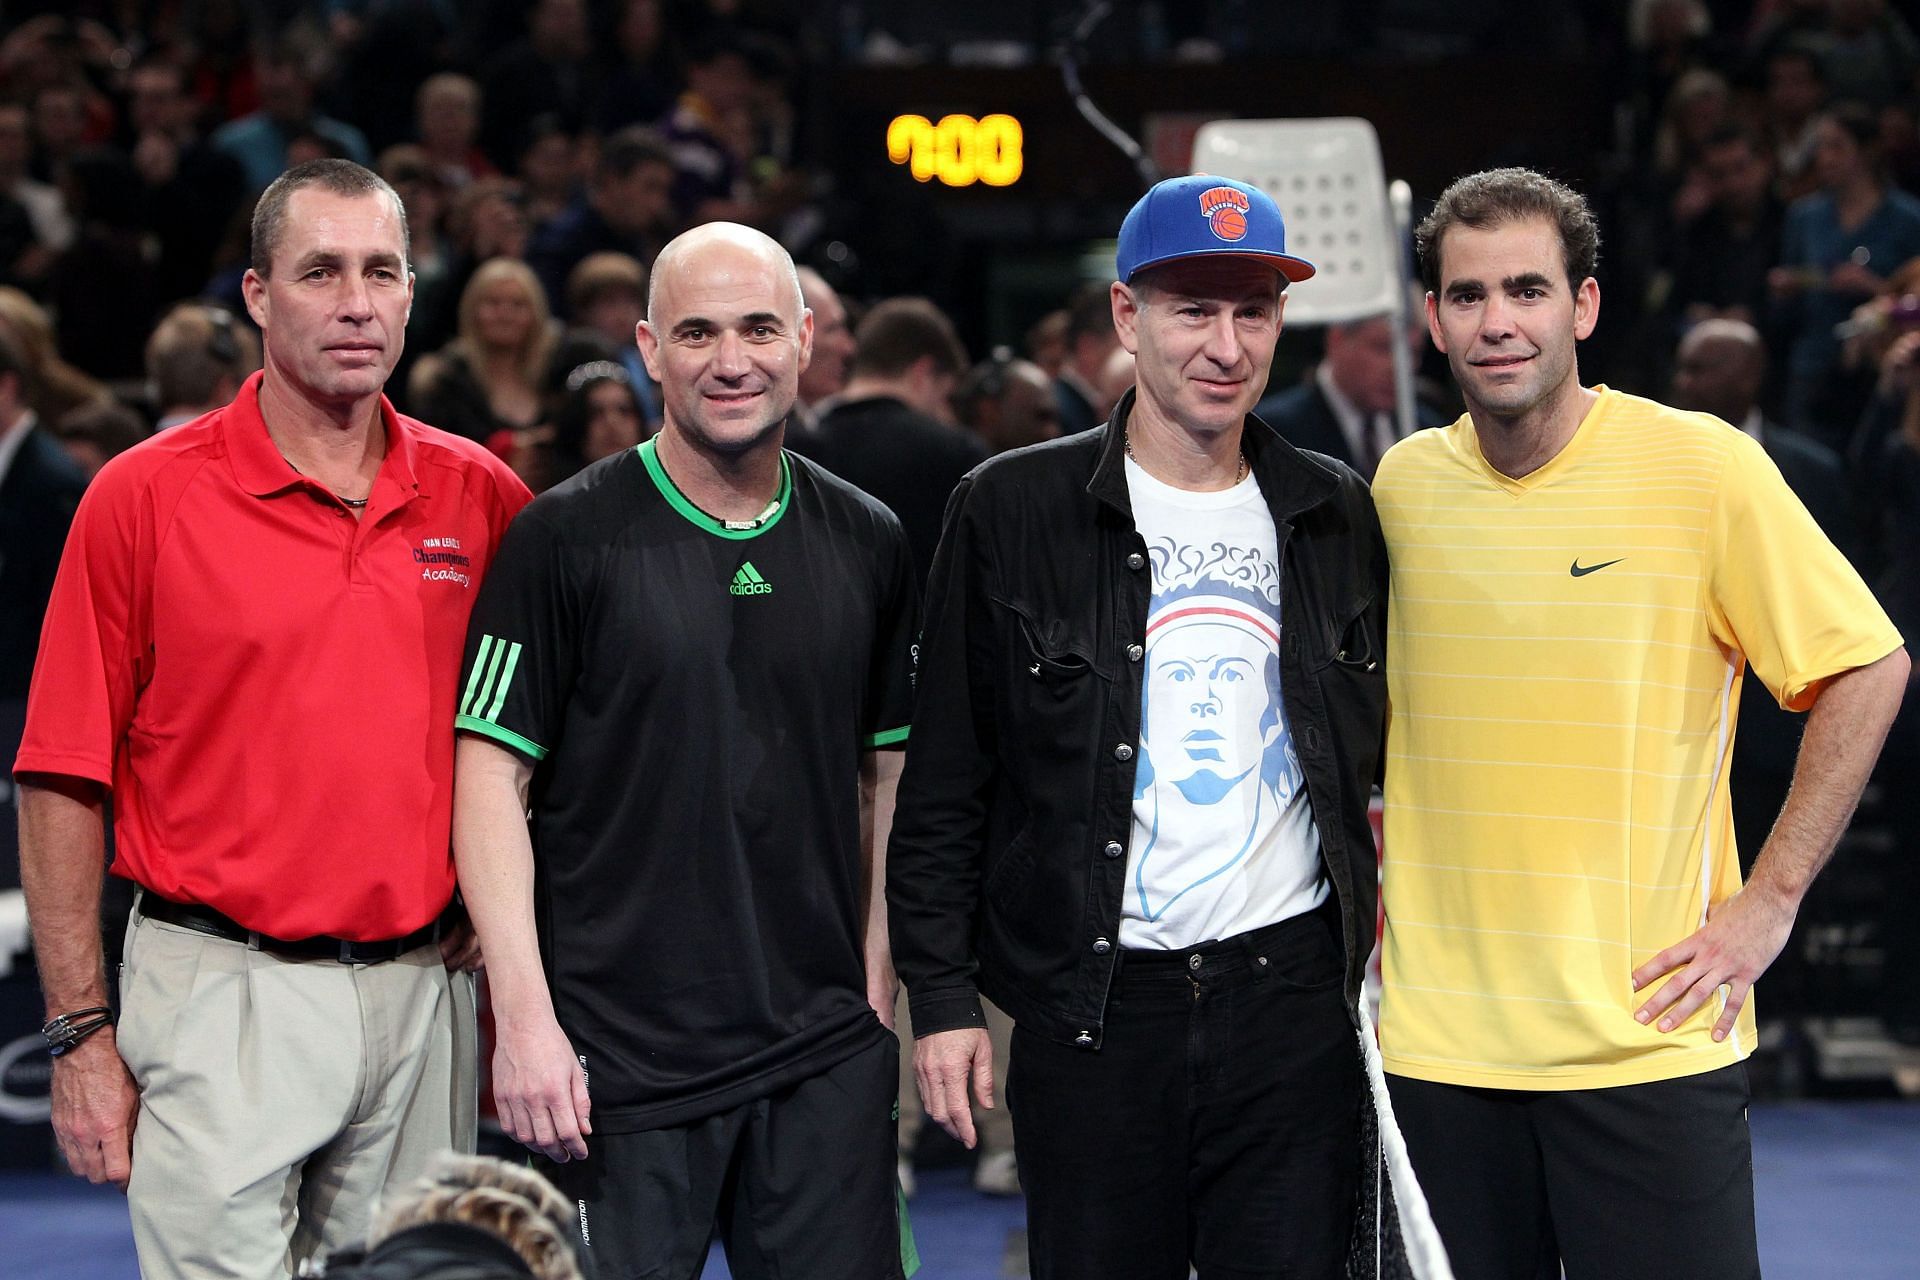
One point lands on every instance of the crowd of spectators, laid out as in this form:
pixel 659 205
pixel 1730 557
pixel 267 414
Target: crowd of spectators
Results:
pixel 544 152
pixel 1765 175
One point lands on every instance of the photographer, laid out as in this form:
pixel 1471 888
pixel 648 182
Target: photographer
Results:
pixel 470 1218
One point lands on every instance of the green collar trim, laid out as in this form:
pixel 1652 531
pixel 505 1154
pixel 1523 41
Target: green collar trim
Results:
pixel 700 519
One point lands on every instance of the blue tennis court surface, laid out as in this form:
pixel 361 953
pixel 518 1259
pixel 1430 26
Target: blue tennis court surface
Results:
pixel 1838 1184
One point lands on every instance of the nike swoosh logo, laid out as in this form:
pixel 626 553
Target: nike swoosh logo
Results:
pixel 1580 571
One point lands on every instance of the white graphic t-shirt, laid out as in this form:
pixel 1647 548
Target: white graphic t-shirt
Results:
pixel 1223 837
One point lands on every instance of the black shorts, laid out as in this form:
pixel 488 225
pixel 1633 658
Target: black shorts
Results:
pixel 798 1185
pixel 1637 1182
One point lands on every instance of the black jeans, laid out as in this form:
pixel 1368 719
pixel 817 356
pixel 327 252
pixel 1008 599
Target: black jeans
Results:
pixel 1218 1123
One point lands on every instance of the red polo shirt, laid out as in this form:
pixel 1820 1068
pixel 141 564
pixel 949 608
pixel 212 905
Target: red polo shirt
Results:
pixel 266 683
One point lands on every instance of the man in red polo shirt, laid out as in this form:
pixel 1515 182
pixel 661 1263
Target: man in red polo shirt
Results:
pixel 252 645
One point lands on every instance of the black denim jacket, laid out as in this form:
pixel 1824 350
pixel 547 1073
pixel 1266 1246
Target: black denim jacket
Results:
pixel 1008 857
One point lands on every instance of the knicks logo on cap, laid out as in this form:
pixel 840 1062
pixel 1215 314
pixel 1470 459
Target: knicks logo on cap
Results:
pixel 1225 209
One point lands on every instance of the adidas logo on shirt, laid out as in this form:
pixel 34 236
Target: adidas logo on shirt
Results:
pixel 748 582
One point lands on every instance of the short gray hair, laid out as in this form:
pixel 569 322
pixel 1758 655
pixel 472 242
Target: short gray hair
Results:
pixel 342 177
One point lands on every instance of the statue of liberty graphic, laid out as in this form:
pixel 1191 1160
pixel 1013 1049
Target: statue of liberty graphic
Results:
pixel 1217 765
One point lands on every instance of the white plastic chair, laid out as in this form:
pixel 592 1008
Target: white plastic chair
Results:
pixel 1327 178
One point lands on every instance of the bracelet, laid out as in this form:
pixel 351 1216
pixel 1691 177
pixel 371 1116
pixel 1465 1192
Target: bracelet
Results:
pixel 67 1030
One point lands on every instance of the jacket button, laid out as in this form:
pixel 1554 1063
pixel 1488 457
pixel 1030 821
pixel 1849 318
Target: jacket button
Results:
pixel 1135 653
pixel 1084 1040
pixel 1312 739
pixel 1101 946
pixel 1136 561
pixel 1113 849
pixel 1123 752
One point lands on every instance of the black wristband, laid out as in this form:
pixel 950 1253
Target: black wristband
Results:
pixel 66 1030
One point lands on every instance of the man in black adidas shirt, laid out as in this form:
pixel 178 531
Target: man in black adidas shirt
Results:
pixel 688 662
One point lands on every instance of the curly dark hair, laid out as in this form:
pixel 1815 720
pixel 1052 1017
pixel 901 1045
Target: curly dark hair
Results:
pixel 1497 196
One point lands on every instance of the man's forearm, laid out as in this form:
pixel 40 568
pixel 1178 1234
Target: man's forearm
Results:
pixel 493 855
pixel 879 788
pixel 63 843
pixel 1844 734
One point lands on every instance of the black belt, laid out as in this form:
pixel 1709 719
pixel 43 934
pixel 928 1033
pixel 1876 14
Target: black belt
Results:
pixel 206 920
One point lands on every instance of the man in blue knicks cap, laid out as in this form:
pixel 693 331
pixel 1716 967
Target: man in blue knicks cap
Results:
pixel 1133 814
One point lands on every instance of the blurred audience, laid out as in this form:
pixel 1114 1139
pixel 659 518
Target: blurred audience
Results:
pixel 1046 342
pixel 53 386
pixel 626 208
pixel 891 430
pixel 1667 39
pixel 197 358
pixel 48 228
pixel 1348 408
pixel 1721 368
pixel 447 123
pixel 1888 457
pixel 1090 342
pixel 1870 52
pixel 1007 402
pixel 710 131
pixel 60 127
pixel 639 87
pixel 96 433
pixel 487 220
pixel 1699 106
pixel 264 140
pixel 411 172
pixel 104 288
pixel 191 191
pixel 1727 246
pixel 826 373
pixel 1839 245
pixel 548 72
pixel 489 381
pixel 1115 379
pixel 1796 90
pixel 599 416
pixel 548 169
pixel 607 298
pixel 39 490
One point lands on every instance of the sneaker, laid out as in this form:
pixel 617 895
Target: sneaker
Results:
pixel 996 1174
pixel 903 1172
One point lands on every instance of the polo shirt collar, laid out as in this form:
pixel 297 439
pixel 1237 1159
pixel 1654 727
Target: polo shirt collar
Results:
pixel 262 472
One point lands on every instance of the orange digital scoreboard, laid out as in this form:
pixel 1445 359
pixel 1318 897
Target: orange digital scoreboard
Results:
pixel 959 150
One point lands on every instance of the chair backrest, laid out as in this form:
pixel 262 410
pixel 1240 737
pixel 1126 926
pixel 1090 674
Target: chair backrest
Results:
pixel 1328 180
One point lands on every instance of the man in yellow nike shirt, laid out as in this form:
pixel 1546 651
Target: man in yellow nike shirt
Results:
pixel 1581 578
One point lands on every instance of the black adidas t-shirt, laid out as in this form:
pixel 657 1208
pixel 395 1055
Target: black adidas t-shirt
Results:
pixel 696 700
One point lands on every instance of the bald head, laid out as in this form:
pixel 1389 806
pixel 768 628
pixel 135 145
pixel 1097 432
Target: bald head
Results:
pixel 832 338
pixel 1720 369
pixel 712 243
pixel 727 338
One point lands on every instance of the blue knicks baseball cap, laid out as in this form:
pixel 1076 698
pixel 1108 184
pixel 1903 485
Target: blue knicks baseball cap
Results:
pixel 1202 216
